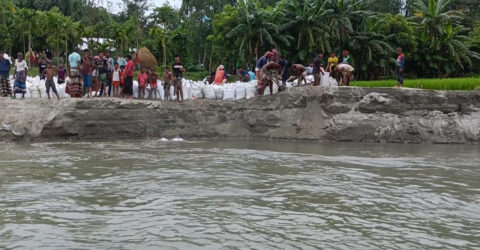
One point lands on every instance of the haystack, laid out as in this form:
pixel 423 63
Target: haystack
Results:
pixel 147 59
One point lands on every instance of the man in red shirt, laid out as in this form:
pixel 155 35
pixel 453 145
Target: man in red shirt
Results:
pixel 128 76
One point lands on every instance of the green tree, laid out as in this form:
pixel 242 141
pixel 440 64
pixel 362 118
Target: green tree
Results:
pixel 165 19
pixel 307 20
pixel 255 30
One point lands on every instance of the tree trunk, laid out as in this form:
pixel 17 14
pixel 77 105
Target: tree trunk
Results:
pixel 66 49
pixel 164 46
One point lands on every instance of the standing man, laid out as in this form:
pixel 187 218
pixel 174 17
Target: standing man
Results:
pixel 400 67
pixel 346 57
pixel 111 63
pixel 284 72
pixel 318 71
pixel 121 61
pixel 75 85
pixel 102 67
pixel 87 70
pixel 21 68
pixel 178 70
pixel 128 75
pixel 5 66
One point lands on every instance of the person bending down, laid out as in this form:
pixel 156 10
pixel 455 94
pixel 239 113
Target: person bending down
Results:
pixel 300 74
pixel 49 73
pixel 345 71
pixel 269 73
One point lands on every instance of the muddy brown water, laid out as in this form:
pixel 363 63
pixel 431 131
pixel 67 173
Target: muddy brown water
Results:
pixel 236 194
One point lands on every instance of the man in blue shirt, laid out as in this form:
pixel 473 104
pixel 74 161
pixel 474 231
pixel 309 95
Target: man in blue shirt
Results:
pixel 243 74
pixel 74 87
pixel 5 66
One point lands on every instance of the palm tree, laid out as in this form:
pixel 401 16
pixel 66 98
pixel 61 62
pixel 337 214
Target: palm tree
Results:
pixel 165 19
pixel 307 19
pixel 7 8
pixel 255 29
pixel 444 43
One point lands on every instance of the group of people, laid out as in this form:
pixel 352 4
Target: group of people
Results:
pixel 97 76
pixel 271 68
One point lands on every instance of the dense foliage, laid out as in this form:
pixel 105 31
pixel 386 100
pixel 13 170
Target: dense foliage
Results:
pixel 440 37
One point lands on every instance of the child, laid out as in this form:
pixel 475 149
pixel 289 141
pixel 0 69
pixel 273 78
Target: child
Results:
pixel 49 72
pixel 95 83
pixel 332 62
pixel 153 78
pixel 142 82
pixel 178 70
pixel 61 74
pixel 116 80
pixel 122 80
pixel 20 76
pixel 167 82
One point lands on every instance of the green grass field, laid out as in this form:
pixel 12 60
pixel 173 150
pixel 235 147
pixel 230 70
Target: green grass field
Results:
pixel 437 84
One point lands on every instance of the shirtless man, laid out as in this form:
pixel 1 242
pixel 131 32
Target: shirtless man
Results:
pixel 300 74
pixel 167 82
pixel 269 73
pixel 50 72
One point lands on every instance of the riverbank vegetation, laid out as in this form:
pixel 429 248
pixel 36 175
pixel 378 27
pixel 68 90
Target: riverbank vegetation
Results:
pixel 441 38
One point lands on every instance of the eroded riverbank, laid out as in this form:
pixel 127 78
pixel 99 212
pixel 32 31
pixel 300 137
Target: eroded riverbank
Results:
pixel 309 113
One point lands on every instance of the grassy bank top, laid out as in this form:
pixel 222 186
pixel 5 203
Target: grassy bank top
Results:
pixel 467 84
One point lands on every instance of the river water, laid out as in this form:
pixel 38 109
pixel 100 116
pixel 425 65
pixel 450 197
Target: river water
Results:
pixel 238 195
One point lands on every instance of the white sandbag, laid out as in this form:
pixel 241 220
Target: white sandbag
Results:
pixel 332 82
pixel 240 90
pixel 161 91
pixel 172 96
pixel 218 89
pixel 187 88
pixel 197 90
pixel 324 81
pixel 250 89
pixel 135 89
pixel 229 92
pixel 209 92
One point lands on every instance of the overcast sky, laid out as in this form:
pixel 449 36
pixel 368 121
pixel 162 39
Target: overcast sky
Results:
pixel 116 5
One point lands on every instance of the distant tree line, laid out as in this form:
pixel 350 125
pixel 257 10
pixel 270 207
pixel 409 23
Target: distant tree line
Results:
pixel 441 38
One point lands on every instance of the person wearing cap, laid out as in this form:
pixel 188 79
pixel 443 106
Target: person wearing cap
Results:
pixel 220 77
pixel 21 68
pixel 5 66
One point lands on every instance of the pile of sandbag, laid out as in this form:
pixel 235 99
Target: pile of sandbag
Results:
pixel 35 88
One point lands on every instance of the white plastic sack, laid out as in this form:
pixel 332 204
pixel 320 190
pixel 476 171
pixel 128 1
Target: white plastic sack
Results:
pixel 218 89
pixel 172 95
pixel 161 91
pixel 240 90
pixel 135 89
pixel 197 90
pixel 208 92
pixel 187 88
pixel 250 89
pixel 325 80
pixel 229 92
